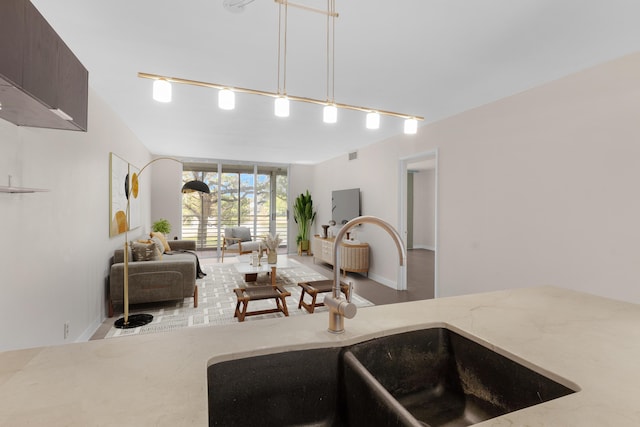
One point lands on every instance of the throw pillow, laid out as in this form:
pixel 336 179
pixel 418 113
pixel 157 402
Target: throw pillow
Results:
pixel 144 251
pixel 159 245
pixel 162 239
pixel 228 232
pixel 243 233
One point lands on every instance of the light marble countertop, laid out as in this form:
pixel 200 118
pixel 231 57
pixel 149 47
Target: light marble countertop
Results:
pixel 160 379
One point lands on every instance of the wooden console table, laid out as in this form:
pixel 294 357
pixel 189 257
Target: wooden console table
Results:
pixel 353 257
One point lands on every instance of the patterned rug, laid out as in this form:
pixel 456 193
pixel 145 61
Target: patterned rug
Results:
pixel 217 301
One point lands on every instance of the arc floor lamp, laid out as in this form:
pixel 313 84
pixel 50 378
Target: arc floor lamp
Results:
pixel 136 320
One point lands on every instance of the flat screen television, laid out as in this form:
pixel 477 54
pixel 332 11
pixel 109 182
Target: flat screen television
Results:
pixel 345 205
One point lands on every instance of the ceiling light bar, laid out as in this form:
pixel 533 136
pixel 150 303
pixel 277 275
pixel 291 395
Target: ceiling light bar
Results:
pixel 226 95
pixel 276 95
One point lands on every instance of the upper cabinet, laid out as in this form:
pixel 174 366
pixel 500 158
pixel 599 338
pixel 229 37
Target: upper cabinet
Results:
pixel 42 83
pixel 11 40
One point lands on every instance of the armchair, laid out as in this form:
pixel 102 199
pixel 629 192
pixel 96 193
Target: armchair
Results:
pixel 238 240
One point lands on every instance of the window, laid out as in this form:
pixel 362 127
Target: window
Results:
pixel 250 195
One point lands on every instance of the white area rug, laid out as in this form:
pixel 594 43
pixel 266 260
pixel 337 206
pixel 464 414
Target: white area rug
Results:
pixel 217 301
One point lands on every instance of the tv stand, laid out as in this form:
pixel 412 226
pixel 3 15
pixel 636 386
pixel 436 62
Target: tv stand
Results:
pixel 354 258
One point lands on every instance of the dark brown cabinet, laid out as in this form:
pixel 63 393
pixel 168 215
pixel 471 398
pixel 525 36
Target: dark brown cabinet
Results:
pixel 72 83
pixel 11 40
pixel 43 72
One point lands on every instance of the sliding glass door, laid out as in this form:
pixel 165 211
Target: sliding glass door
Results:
pixel 253 196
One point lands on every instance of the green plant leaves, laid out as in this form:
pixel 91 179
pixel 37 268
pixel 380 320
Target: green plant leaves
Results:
pixel 304 215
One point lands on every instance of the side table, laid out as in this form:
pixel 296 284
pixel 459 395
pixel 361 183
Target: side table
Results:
pixel 244 295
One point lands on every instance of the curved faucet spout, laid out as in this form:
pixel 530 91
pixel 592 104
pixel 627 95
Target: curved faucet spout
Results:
pixel 340 309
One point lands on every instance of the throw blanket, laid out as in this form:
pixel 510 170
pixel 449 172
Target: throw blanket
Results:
pixel 199 273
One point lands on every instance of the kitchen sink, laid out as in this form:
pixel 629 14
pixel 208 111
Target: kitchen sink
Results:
pixel 444 379
pixel 429 377
pixel 282 389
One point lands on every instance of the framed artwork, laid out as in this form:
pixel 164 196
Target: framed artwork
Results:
pixel 123 176
pixel 134 200
pixel 119 171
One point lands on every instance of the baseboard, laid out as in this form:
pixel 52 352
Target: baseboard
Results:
pixel 383 281
pixel 429 248
pixel 88 333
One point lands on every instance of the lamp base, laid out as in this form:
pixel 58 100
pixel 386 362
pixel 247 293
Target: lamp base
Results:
pixel 135 320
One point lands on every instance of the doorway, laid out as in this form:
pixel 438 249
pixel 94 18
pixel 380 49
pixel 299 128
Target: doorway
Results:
pixel 419 221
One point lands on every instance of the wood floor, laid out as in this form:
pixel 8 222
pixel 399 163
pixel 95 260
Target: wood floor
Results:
pixel 420 279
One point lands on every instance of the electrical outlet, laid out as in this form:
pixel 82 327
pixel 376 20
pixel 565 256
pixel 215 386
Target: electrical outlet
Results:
pixel 66 329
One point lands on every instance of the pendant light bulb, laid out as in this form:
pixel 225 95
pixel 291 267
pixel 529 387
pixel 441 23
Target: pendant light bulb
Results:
pixel 373 120
pixel 162 90
pixel 226 99
pixel 410 126
pixel 330 114
pixel 281 107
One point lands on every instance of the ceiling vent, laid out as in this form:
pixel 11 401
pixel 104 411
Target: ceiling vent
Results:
pixel 353 155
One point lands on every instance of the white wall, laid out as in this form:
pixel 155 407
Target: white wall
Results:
pixel 375 172
pixel 539 188
pixel 166 195
pixel 424 213
pixel 55 255
pixel 300 180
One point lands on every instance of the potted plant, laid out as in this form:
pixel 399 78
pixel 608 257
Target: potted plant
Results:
pixel 304 215
pixel 161 226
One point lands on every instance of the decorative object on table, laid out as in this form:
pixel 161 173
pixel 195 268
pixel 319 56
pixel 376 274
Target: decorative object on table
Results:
pixel 304 215
pixel 131 187
pixel 324 231
pixel 161 226
pixel 256 259
pixel 272 242
pixel 332 226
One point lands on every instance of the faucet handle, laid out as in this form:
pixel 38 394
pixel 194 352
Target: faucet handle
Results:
pixel 350 283
pixel 348 310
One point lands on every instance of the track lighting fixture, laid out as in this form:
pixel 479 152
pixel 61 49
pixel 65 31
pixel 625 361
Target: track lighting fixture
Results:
pixel 226 94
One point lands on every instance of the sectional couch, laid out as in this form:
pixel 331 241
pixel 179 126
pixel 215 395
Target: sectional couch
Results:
pixel 172 276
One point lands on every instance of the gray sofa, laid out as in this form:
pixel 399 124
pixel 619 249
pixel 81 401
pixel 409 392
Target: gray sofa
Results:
pixel 171 278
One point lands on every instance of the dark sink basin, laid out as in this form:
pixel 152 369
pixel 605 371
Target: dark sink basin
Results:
pixel 282 389
pixel 432 377
pixel 444 379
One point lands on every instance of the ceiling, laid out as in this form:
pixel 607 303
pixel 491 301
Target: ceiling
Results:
pixel 431 58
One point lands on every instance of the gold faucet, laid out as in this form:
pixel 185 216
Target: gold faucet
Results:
pixel 339 307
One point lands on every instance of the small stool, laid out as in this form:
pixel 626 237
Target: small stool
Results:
pixel 315 288
pixel 244 295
